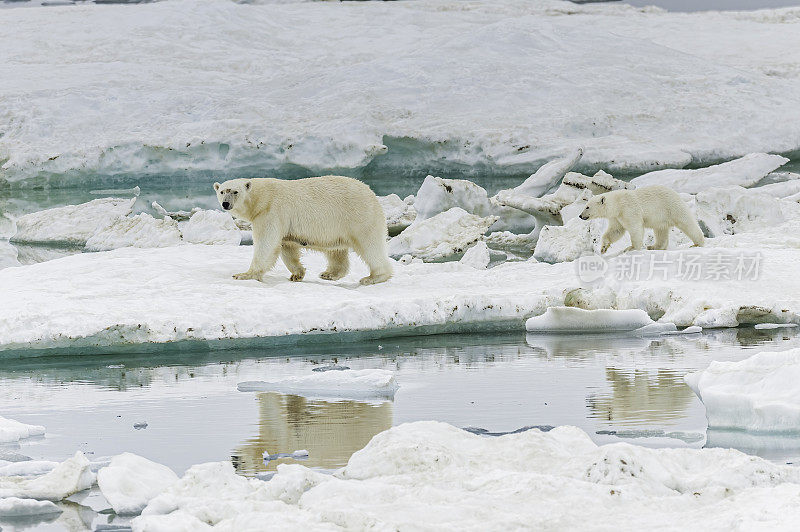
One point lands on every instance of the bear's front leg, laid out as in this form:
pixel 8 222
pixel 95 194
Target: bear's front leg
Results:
pixel 266 246
pixel 612 234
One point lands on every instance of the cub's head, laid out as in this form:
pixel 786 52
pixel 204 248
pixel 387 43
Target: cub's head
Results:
pixel 233 193
pixel 595 208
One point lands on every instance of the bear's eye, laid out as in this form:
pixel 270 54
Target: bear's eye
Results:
pixel 235 191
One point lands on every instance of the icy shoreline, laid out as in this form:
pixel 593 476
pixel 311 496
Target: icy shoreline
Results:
pixel 401 88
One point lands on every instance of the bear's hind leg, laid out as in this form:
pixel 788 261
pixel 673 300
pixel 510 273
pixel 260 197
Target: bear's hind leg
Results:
pixel 290 255
pixel 692 229
pixel 375 256
pixel 662 238
pixel 338 264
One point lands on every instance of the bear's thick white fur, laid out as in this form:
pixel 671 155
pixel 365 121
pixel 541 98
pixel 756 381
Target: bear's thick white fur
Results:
pixel 332 214
pixel 655 207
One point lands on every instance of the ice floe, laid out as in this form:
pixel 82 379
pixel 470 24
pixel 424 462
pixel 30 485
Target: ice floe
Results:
pixel 141 231
pixel 400 213
pixel 745 172
pixel 71 224
pixel 757 394
pixel 13 431
pixel 445 477
pixel 130 481
pixel 346 383
pixel 446 235
pixel 211 227
pixel 104 116
pixel 17 507
pixel 477 256
pixel 68 477
pixel 578 320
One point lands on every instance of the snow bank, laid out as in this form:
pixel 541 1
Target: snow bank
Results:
pixel 140 104
pixel 72 224
pixel 211 227
pixel 71 476
pixel 758 394
pixel 141 231
pixel 571 319
pixel 16 507
pixel 130 481
pixel 13 431
pixel 731 210
pixel 346 383
pixel 446 478
pixel 446 235
pixel 173 288
pixel 745 172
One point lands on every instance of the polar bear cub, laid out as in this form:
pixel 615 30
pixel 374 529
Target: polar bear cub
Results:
pixel 331 214
pixel 655 207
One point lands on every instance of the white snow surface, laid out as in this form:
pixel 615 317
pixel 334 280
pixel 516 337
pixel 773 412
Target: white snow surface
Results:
pixel 72 224
pixel 68 477
pixel 578 320
pixel 399 213
pixel 477 256
pixel 211 227
pixel 130 481
pixel 745 172
pixel 13 431
pixel 141 231
pixel 123 96
pixel 132 296
pixel 757 394
pixel 345 383
pixel 16 507
pixel 432 476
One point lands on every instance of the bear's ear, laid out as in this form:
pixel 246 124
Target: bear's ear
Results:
pixel 216 186
pixel 247 185
pixel 602 200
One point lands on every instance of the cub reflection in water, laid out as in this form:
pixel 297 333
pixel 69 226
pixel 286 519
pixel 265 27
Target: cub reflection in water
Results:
pixel 330 430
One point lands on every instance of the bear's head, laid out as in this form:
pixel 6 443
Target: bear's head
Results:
pixel 232 194
pixel 595 208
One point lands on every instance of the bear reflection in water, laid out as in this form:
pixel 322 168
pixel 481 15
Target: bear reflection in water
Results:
pixel 331 431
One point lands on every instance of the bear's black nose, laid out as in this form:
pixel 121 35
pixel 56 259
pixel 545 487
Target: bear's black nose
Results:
pixel 226 205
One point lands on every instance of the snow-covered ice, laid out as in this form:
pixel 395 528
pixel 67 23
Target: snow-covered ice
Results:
pixel 211 227
pixel 71 224
pixel 68 477
pixel 400 213
pixel 757 394
pixel 141 231
pixel 775 325
pixel 477 256
pixel 444 236
pixel 17 507
pixel 578 320
pixel 13 431
pixel 130 481
pixel 433 475
pixel 745 172
pixel 347 383
pixel 116 100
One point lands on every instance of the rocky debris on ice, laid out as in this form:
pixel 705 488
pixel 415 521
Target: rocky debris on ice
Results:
pixel 400 213
pixel 446 477
pixel 141 231
pixel 12 431
pixel 745 171
pixel 346 383
pixel 758 394
pixel 130 481
pixel 71 224
pixel 478 256
pixel 578 320
pixel 18 507
pixel 212 228
pixel 445 236
pixel 68 477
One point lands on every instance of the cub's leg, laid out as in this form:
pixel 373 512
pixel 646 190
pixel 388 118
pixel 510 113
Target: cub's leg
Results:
pixel 290 255
pixel 266 246
pixel 338 264
pixel 612 234
pixel 662 238
pixel 692 230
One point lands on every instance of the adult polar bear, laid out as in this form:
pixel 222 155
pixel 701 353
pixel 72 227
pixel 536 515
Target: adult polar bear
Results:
pixel 655 207
pixel 332 214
